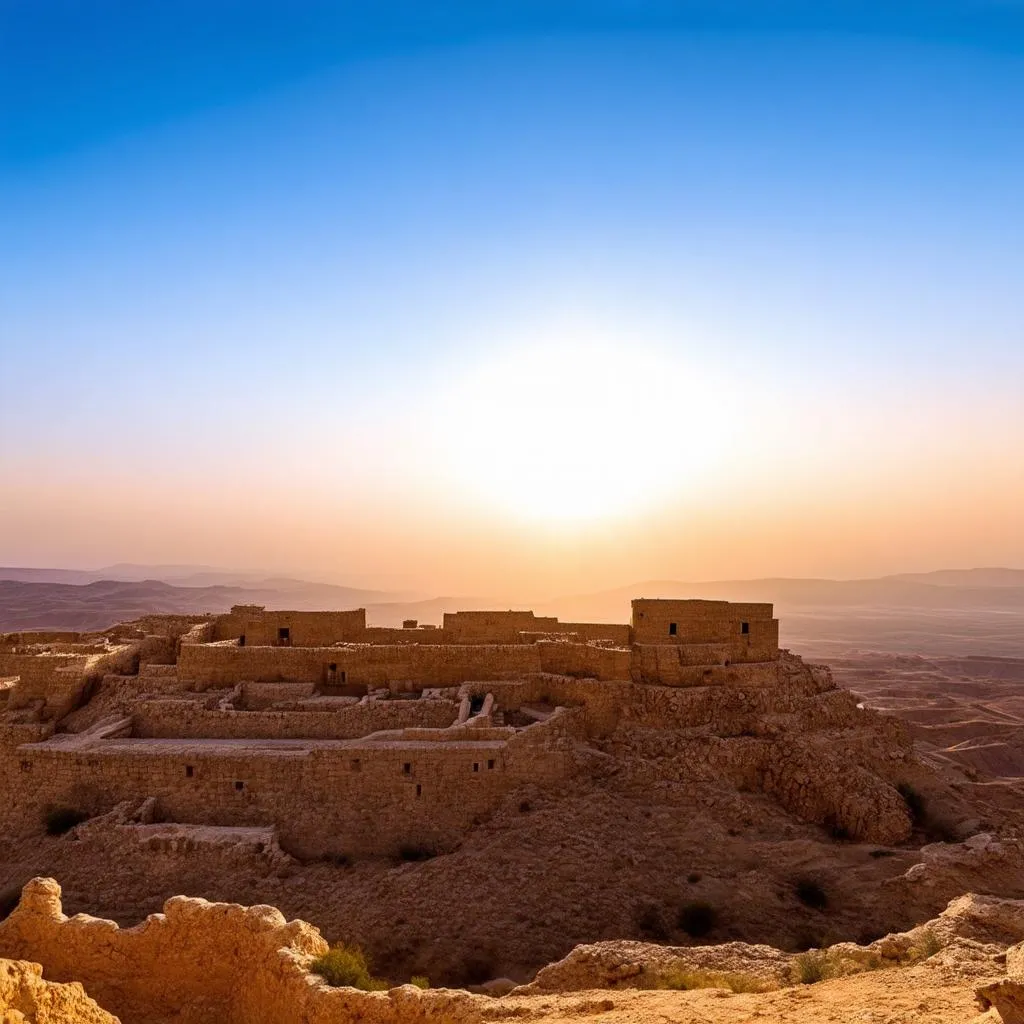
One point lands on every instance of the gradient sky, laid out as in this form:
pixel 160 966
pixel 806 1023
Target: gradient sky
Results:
pixel 520 298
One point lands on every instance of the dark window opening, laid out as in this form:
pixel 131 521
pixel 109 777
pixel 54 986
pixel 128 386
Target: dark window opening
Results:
pixel 241 640
pixel 490 764
pixel 672 629
pixel 407 768
pixel 355 765
pixel 744 627
pixel 419 789
pixel 284 636
pixel 476 766
pixel 343 675
pixel 189 771
pixel 239 786
pixel 332 672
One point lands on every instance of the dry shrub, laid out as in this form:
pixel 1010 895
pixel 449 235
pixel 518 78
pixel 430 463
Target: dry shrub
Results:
pixel 822 964
pixel 347 965
pixel 684 980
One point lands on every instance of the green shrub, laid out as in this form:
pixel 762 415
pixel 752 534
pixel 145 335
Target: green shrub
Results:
pixel 347 965
pixel 685 981
pixel 697 918
pixel 812 966
pixel 63 819
pixel 420 981
pixel 811 894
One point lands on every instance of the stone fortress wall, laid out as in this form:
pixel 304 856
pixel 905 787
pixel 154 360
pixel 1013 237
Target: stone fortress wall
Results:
pixel 356 740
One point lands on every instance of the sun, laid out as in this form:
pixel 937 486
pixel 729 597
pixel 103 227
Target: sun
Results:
pixel 570 433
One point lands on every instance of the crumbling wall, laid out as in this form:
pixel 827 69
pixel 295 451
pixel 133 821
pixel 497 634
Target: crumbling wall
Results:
pixel 57 682
pixel 25 998
pixel 199 962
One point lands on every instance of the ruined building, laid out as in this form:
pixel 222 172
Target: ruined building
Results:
pixel 348 739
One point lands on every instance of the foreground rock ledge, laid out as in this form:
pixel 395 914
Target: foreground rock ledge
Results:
pixel 216 963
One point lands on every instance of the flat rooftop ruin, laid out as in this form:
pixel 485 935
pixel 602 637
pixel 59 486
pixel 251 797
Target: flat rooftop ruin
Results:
pixel 353 738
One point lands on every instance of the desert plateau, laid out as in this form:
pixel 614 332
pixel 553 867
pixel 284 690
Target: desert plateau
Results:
pixel 511 511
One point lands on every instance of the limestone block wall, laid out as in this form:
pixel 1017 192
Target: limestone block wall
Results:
pixel 305 629
pixel 59 680
pixel 705 622
pixel 676 665
pixel 199 962
pixel 494 626
pixel 584 660
pixel 259 696
pixel 419 665
pixel 364 797
pixel 618 634
pixel 187 719
pixel 599 703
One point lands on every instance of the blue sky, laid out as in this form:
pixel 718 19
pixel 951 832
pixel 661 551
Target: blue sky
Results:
pixel 235 236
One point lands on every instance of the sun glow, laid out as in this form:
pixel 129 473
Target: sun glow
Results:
pixel 583 432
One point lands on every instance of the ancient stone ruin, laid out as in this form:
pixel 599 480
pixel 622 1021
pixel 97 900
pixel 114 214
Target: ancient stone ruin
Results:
pixel 332 737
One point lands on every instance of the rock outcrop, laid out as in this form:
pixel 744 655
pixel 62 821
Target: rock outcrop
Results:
pixel 25 998
pixel 201 962
pixel 210 963
pixel 624 964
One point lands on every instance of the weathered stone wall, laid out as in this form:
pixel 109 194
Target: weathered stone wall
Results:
pixel 305 629
pixel 746 629
pixel 199 962
pixel 703 665
pixel 495 626
pixel 187 719
pixel 364 664
pixel 57 682
pixel 584 660
pixel 416 786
